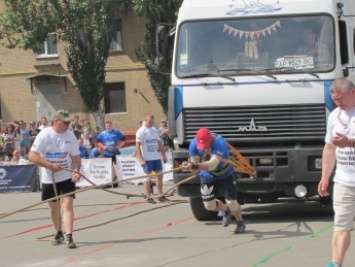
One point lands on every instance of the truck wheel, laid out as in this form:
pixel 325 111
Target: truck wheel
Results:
pixel 199 211
pixel 327 201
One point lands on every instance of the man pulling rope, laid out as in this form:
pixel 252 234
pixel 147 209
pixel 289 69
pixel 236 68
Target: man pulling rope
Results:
pixel 209 157
pixel 56 147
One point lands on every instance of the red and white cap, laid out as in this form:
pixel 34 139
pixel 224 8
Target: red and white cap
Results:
pixel 203 139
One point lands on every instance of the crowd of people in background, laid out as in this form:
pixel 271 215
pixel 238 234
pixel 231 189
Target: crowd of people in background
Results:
pixel 18 136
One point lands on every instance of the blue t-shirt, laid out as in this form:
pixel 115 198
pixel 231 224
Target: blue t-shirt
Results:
pixel 94 153
pixel 83 152
pixel 110 139
pixel 219 148
pixel 25 134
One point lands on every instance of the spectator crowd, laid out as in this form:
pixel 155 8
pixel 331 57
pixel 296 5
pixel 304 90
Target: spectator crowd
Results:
pixel 17 138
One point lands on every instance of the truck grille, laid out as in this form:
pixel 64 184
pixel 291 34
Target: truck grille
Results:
pixel 259 123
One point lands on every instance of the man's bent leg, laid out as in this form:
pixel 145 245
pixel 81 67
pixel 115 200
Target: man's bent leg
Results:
pixel 340 244
pixel 215 205
pixel 235 209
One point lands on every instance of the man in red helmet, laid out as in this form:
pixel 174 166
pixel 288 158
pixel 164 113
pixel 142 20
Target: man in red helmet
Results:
pixel 208 155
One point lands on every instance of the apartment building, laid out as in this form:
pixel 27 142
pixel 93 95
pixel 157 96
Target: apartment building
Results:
pixel 33 85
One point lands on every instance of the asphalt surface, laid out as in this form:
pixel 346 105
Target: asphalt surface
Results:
pixel 284 234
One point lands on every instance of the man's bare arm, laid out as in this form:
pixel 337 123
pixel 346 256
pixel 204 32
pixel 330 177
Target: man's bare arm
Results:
pixel 36 159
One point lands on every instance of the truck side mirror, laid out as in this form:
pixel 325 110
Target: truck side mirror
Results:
pixel 346 72
pixel 161 39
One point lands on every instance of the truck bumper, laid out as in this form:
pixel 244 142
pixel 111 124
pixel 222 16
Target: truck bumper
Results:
pixel 279 171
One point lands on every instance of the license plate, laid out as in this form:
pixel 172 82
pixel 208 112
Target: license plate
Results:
pixel 295 62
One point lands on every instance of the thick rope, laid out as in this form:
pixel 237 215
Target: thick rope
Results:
pixel 103 189
pixel 59 221
pixel 90 188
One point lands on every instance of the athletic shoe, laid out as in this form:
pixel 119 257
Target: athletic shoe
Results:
pixel 240 227
pixel 70 242
pixel 333 264
pixel 227 217
pixel 163 199
pixel 58 238
pixel 150 200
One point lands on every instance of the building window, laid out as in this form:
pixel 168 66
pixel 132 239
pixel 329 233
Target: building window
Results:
pixel 115 98
pixel 48 48
pixel 116 44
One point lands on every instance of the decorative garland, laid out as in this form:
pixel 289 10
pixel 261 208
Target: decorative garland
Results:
pixel 251 47
pixel 251 34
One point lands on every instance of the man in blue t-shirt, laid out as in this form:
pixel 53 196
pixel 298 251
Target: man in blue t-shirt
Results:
pixel 111 140
pixel 25 135
pixel 83 151
pixel 209 156
pixel 96 152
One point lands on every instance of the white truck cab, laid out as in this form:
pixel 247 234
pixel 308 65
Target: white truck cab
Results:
pixel 258 73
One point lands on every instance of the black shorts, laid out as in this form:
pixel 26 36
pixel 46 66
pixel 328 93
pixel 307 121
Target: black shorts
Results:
pixel 64 187
pixel 210 188
pixel 113 159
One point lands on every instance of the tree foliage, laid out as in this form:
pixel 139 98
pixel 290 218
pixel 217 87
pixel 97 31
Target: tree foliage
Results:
pixel 86 27
pixel 155 12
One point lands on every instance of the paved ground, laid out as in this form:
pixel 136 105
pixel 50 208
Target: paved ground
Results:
pixel 278 235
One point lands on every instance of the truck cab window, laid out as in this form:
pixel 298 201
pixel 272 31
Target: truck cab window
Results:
pixel 259 44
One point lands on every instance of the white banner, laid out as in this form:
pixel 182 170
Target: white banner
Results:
pixel 129 167
pixel 99 171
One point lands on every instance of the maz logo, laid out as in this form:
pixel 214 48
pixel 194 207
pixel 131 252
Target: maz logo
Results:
pixel 252 128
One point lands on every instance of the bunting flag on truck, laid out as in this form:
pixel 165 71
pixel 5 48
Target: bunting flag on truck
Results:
pixel 252 34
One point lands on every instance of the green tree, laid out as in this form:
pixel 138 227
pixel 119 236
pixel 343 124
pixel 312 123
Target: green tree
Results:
pixel 86 26
pixel 155 12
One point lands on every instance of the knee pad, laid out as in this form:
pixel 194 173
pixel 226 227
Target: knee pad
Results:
pixel 232 204
pixel 210 205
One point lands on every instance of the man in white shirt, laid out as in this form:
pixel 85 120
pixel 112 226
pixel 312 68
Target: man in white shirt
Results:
pixel 44 123
pixel 339 151
pixel 148 146
pixel 53 149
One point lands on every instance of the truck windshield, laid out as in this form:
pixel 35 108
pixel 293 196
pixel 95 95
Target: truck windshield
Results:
pixel 256 45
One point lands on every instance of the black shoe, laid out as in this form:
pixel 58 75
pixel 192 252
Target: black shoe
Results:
pixel 70 242
pixel 150 200
pixel 240 227
pixel 58 238
pixel 163 199
pixel 227 217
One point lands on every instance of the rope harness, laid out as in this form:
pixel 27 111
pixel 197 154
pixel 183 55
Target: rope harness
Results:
pixel 239 163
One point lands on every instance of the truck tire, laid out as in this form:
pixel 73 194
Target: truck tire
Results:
pixel 199 211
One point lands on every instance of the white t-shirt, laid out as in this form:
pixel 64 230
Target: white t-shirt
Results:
pixel 345 157
pixel 42 127
pixel 149 138
pixel 56 148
